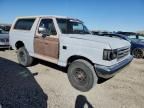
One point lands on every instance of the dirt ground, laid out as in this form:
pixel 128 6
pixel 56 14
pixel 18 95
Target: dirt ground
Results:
pixel 46 85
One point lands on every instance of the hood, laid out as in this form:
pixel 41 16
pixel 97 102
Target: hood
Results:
pixel 113 42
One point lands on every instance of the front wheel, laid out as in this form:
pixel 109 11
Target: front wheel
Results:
pixel 82 75
pixel 23 57
pixel 138 53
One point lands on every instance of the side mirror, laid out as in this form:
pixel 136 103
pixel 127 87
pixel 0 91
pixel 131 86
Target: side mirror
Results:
pixel 43 31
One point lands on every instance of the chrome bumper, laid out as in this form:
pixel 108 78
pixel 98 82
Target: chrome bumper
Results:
pixel 109 71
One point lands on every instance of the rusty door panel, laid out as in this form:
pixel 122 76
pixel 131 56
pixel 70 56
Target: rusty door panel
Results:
pixel 48 47
pixel 51 47
pixel 38 45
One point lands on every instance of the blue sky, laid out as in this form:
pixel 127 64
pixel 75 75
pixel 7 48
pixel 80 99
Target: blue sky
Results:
pixel 112 15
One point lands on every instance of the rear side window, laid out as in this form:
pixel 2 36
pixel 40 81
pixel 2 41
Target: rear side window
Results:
pixel 24 24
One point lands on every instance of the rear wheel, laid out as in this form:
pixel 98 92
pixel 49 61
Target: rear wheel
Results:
pixel 23 57
pixel 81 75
pixel 138 53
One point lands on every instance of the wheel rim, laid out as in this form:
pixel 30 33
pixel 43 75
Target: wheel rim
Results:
pixel 138 53
pixel 22 56
pixel 80 76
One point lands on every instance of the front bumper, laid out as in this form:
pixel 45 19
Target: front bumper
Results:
pixel 109 71
pixel 4 46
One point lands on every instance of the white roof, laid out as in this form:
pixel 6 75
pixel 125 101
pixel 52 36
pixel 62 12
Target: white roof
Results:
pixel 50 16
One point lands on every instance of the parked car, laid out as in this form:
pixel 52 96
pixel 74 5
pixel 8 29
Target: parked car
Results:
pixel 136 40
pixel 94 32
pixel 4 39
pixel 137 43
pixel 67 42
pixel 5 27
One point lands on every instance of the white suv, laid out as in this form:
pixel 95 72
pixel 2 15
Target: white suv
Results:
pixel 68 43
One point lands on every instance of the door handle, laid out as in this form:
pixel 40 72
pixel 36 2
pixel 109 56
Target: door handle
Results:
pixel 64 47
pixel 36 37
pixel 46 43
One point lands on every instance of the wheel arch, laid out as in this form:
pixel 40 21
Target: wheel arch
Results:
pixel 76 57
pixel 19 44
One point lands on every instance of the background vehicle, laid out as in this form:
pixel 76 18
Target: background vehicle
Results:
pixel 94 32
pixel 136 40
pixel 137 43
pixel 4 39
pixel 67 42
pixel 5 27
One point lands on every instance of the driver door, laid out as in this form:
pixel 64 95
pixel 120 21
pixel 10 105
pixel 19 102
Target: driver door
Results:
pixel 46 46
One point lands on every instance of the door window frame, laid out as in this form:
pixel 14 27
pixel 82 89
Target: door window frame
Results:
pixel 39 34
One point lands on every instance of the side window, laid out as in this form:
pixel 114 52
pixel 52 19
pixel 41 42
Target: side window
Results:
pixel 48 25
pixel 24 24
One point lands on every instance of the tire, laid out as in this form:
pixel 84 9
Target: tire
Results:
pixel 81 75
pixel 23 57
pixel 138 53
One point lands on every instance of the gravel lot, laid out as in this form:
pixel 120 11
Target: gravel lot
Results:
pixel 46 85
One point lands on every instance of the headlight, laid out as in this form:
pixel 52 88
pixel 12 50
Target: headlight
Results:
pixel 109 54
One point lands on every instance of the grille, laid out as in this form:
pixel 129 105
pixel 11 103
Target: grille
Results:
pixel 123 52
pixel 4 40
pixel 7 40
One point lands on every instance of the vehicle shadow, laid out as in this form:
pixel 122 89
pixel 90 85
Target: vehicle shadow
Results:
pixel 64 70
pixel 18 88
pixel 102 80
pixel 3 49
pixel 81 102
pixel 52 65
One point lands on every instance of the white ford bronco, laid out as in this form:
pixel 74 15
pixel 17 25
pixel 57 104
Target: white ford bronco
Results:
pixel 67 42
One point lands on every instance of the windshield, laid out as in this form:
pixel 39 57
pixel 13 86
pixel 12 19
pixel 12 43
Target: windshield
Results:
pixel 72 26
